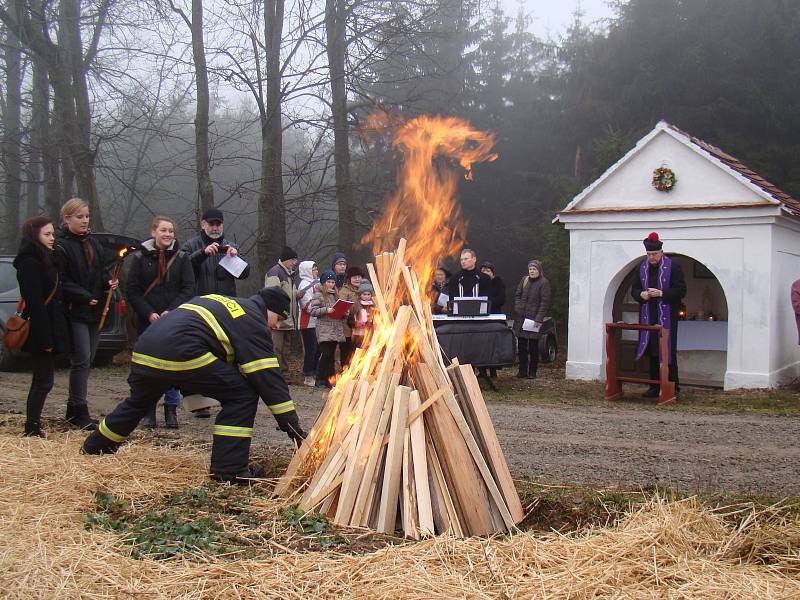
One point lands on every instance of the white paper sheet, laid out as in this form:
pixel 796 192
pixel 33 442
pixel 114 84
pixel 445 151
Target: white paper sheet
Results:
pixel 233 264
pixel 531 325
pixel 442 300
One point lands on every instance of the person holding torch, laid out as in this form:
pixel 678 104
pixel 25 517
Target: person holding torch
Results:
pixel 85 282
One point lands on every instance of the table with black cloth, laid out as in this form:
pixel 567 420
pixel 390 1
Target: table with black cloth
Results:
pixel 479 341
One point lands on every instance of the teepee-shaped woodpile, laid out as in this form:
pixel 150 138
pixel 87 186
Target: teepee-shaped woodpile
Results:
pixel 403 441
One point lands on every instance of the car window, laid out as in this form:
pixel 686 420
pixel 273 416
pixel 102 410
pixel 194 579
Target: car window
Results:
pixel 8 277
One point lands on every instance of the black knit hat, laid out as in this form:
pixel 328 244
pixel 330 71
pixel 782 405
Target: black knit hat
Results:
pixel 652 243
pixel 287 253
pixel 276 300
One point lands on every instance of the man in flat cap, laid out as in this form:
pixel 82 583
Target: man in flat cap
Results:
pixel 284 276
pixel 659 289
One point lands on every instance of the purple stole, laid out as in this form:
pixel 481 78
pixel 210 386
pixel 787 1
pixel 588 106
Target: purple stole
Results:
pixel 664 309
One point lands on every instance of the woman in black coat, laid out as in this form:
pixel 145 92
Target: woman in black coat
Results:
pixel 160 279
pixel 85 281
pixel 40 286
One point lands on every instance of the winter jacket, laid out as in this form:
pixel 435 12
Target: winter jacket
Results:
pixel 328 330
pixel 278 276
pixel 349 293
pixel 497 294
pixel 531 301
pixel 48 323
pixel 468 284
pixel 82 282
pixel 209 277
pixel 305 291
pixel 176 288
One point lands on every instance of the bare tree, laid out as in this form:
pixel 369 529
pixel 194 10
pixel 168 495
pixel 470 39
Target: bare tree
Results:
pixel 67 66
pixel 195 25
pixel 11 140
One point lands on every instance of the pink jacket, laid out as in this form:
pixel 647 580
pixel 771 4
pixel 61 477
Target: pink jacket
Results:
pixel 796 305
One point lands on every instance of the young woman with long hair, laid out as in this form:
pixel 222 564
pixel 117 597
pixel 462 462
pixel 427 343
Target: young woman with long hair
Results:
pixel 85 283
pixel 39 278
pixel 160 279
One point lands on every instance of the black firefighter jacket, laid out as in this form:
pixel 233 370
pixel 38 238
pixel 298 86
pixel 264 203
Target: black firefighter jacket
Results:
pixel 210 328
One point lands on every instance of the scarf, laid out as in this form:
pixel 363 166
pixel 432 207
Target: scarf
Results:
pixel 664 309
pixel 88 250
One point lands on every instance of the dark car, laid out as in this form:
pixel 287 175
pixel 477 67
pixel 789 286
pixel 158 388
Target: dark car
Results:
pixel 114 335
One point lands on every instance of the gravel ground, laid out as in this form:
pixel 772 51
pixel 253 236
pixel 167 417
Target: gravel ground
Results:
pixel 606 446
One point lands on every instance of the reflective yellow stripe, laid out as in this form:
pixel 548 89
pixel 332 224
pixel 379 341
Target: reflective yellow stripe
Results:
pixel 212 322
pixel 283 407
pixel 229 303
pixel 110 434
pixel 173 365
pixel 258 365
pixel 229 431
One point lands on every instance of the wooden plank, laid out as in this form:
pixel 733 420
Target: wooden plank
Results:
pixel 387 515
pixel 442 380
pixel 355 470
pixel 419 461
pixel 463 478
pixel 445 513
pixel 423 407
pixel 369 482
pixel 380 302
pixel 408 507
pixel 493 451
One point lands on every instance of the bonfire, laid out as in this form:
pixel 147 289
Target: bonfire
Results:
pixel 405 441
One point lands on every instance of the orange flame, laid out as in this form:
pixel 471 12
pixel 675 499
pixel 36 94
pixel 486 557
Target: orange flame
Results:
pixel 123 252
pixel 424 208
pixel 425 212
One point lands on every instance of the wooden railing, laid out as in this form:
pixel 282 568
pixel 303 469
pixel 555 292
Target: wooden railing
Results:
pixel 614 381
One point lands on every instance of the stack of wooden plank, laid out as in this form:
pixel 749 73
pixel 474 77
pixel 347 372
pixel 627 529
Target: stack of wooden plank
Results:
pixel 404 442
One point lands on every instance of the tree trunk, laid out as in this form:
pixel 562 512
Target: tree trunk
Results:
pixel 42 138
pixel 204 187
pixel 12 162
pixel 335 22
pixel 272 213
pixel 81 121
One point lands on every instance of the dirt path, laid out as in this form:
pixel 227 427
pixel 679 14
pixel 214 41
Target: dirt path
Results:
pixel 586 445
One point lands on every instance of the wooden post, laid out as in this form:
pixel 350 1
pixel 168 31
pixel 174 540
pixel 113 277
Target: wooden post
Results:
pixel 613 386
pixel 666 393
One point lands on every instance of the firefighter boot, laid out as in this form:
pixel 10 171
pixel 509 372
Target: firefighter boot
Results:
pixel 245 477
pixel 78 417
pixel 97 443
pixel 171 416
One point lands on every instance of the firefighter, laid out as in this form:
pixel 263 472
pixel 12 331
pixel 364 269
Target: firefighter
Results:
pixel 218 346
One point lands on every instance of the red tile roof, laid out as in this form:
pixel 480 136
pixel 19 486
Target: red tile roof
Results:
pixel 735 164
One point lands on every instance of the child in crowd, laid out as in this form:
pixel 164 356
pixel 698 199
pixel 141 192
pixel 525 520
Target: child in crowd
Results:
pixel 309 281
pixel 330 332
pixel 361 313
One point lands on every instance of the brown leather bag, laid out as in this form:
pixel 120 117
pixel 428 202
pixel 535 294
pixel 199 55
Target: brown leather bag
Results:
pixel 18 328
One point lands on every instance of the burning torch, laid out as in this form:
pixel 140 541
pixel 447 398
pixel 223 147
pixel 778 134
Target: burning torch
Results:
pixel 114 276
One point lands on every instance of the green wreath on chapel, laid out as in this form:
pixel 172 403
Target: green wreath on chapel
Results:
pixel 664 179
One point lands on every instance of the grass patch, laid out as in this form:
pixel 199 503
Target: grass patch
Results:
pixel 550 388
